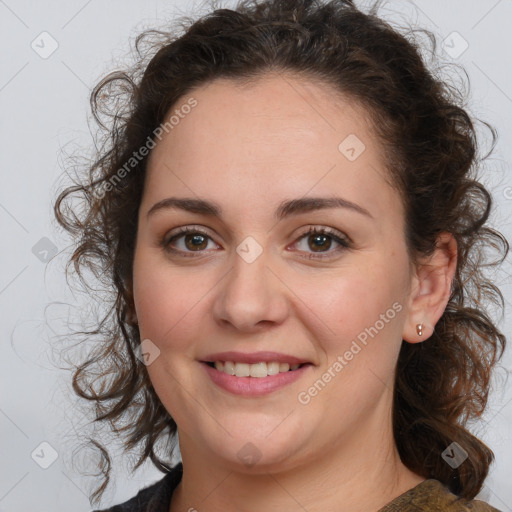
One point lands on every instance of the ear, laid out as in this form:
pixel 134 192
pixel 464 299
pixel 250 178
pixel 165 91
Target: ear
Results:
pixel 431 289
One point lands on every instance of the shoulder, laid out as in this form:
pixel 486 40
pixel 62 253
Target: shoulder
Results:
pixel 155 498
pixel 432 496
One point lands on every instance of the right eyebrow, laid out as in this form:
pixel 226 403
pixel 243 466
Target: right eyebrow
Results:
pixel 188 204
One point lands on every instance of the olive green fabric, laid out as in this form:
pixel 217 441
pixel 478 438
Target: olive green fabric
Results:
pixel 432 496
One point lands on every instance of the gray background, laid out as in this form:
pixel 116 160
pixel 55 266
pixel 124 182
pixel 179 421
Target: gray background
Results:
pixel 44 111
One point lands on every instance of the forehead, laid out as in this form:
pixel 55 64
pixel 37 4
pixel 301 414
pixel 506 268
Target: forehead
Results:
pixel 278 136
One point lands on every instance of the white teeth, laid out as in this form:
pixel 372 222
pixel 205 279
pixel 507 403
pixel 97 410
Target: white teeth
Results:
pixel 229 367
pixel 242 370
pixel 257 370
pixel 272 368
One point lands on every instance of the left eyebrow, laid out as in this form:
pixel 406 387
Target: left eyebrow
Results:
pixel 307 204
pixel 285 209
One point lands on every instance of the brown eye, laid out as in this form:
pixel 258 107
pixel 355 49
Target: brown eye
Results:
pixel 196 241
pixel 187 241
pixel 320 240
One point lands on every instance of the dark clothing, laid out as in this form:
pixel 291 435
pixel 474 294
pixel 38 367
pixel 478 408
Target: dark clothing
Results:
pixel 154 498
pixel 428 496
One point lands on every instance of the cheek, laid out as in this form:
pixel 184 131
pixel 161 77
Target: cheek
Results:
pixel 354 297
pixel 173 304
pixel 361 319
pixel 363 304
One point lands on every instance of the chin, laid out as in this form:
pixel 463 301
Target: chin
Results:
pixel 258 453
pixel 250 459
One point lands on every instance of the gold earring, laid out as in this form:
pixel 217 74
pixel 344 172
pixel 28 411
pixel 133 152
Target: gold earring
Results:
pixel 419 329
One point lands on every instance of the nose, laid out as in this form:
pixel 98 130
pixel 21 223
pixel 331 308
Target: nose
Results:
pixel 251 296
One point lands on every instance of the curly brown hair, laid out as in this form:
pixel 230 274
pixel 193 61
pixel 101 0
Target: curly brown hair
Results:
pixel 433 159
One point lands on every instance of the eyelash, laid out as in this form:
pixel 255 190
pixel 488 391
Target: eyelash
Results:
pixel 342 240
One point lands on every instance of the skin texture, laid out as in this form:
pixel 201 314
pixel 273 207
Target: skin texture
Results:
pixel 248 148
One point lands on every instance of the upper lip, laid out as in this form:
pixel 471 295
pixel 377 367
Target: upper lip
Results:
pixel 253 357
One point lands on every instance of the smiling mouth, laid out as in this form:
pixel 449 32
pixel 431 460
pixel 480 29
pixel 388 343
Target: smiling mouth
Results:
pixel 257 370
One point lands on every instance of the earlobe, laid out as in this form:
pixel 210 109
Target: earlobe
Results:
pixel 432 289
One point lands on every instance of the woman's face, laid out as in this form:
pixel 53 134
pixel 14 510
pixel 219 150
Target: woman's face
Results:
pixel 251 281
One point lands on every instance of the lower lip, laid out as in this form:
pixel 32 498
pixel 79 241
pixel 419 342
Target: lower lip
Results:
pixel 254 386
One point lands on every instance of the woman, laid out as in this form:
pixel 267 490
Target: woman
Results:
pixel 290 214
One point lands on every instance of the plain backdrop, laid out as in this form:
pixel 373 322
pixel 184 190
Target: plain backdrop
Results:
pixel 52 53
